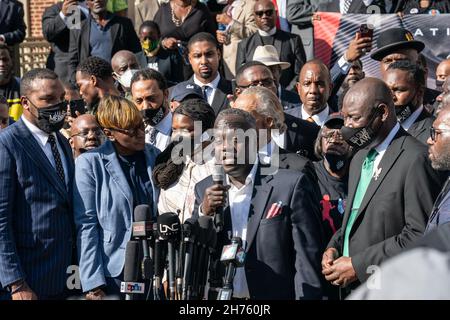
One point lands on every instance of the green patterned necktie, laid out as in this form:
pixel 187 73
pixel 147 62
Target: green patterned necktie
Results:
pixel 364 180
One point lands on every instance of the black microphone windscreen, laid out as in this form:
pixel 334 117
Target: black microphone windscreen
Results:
pixel 131 270
pixel 168 226
pixel 205 224
pixel 142 213
pixel 218 174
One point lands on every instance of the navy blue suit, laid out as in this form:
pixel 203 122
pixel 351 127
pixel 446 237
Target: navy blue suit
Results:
pixel 36 220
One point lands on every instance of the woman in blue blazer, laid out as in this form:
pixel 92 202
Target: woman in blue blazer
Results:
pixel 110 182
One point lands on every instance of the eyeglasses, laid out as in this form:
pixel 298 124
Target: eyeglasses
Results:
pixel 336 134
pixel 130 132
pixel 268 13
pixel 85 133
pixel 264 83
pixel 434 132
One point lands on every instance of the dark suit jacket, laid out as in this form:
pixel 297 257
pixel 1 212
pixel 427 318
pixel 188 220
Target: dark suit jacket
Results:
pixel 289 47
pixel 123 37
pixel 300 136
pixel 357 6
pixel 395 208
pixel 12 25
pixel 57 34
pixel 220 101
pixel 283 253
pixel 420 129
pixel 289 99
pixel 36 219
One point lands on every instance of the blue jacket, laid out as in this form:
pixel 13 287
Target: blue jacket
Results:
pixel 36 221
pixel 103 208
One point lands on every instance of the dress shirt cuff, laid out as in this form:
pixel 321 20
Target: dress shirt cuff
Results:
pixel 63 17
pixel 344 65
pixel 200 213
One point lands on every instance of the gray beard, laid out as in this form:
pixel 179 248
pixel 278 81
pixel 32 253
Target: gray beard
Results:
pixel 442 163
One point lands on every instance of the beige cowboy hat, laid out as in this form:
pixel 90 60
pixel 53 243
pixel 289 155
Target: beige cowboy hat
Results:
pixel 269 56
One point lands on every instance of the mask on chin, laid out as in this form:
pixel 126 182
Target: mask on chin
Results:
pixel 51 118
pixel 439 85
pixel 336 161
pixel 153 116
pixel 359 138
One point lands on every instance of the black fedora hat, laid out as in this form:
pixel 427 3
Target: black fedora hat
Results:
pixel 394 39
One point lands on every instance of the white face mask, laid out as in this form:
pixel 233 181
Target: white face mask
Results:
pixel 125 78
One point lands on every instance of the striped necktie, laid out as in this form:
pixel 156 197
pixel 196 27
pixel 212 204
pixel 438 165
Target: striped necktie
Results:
pixel 347 4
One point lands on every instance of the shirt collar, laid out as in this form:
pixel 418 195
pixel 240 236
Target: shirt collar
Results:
pixel 213 84
pixel 267 34
pixel 387 141
pixel 319 118
pixel 37 133
pixel 165 125
pixel 412 118
pixel 250 180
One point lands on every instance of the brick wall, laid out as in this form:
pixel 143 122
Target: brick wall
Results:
pixel 36 9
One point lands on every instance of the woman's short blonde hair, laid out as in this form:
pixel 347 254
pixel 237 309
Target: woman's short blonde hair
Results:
pixel 117 112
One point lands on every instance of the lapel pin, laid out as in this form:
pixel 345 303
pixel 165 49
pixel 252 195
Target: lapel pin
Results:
pixel 294 125
pixel 377 173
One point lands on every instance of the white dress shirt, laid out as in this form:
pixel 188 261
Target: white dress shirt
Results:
pixel 382 147
pixel 213 84
pixel 42 139
pixel 412 118
pixel 271 32
pixel 164 132
pixel 319 118
pixel 240 201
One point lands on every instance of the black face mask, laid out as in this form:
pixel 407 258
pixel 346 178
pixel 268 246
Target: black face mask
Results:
pixel 153 116
pixel 360 138
pixel 439 84
pixel 336 161
pixel 51 118
pixel 403 112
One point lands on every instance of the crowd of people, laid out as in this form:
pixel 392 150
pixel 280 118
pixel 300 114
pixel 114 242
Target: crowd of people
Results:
pixel 328 174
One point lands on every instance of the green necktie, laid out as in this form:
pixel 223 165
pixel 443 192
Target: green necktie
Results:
pixel 364 180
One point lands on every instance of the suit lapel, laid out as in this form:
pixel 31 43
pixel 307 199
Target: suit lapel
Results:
pixel 219 97
pixel 260 196
pixel 37 155
pixel 391 155
pixel 114 32
pixel 150 162
pixel 4 7
pixel 278 42
pixel 357 163
pixel 115 171
pixel 85 36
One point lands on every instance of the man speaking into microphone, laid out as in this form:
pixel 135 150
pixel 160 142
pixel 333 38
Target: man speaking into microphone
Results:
pixel 274 216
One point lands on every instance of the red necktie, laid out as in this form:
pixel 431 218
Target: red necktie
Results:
pixel 276 12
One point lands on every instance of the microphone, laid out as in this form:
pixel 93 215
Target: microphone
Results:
pixel 142 229
pixel 130 284
pixel 190 233
pixel 233 256
pixel 206 224
pixel 157 260
pixel 169 230
pixel 218 177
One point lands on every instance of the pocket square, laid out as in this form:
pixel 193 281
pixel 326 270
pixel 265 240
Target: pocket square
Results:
pixel 275 210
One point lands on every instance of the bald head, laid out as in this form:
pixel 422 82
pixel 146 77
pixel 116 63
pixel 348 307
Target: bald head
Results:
pixel 443 70
pixel 85 133
pixel 124 60
pixel 369 93
pixel 314 86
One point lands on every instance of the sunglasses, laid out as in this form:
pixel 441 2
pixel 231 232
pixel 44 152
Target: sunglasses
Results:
pixel 435 132
pixel 266 83
pixel 130 132
pixel 268 13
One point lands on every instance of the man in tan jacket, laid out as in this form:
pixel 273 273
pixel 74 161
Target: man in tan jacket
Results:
pixel 239 22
